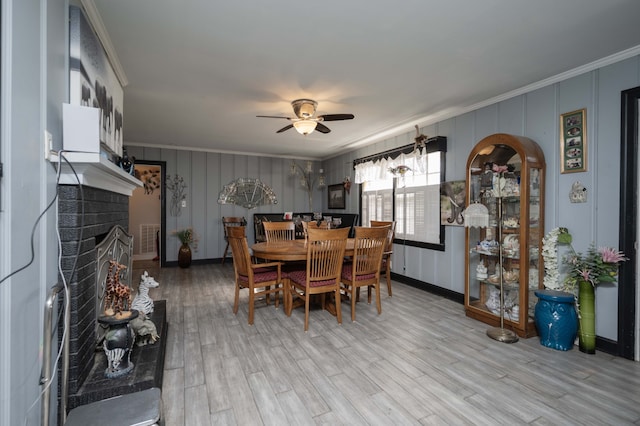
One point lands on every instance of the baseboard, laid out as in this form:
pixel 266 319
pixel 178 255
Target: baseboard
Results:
pixel 431 288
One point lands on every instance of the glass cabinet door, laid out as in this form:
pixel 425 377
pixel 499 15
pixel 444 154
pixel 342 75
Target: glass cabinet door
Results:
pixel 536 270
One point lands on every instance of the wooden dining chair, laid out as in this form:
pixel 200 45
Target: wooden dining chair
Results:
pixel 227 222
pixel 388 252
pixel 279 231
pixel 365 265
pixel 305 229
pixel 325 253
pixel 314 224
pixel 261 279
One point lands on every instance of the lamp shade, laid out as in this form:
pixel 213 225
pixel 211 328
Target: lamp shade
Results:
pixel 304 127
pixel 476 214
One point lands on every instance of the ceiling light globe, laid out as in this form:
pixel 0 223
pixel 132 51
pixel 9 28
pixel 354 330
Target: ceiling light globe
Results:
pixel 304 127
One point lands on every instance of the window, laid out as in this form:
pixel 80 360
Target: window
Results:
pixel 377 201
pixel 410 196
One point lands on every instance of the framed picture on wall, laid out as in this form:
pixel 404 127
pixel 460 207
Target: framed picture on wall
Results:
pixel 573 141
pixel 336 196
pixel 452 202
pixel 93 81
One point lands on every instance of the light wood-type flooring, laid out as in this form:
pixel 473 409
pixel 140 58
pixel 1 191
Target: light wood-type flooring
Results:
pixel 421 362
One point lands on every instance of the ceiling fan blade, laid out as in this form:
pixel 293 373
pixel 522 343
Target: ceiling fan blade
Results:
pixel 336 117
pixel 322 128
pixel 273 116
pixel 285 128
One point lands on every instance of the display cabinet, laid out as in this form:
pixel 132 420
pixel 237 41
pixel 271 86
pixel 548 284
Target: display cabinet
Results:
pixel 503 260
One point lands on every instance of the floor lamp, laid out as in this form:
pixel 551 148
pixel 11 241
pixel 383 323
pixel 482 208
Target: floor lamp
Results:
pixel 477 214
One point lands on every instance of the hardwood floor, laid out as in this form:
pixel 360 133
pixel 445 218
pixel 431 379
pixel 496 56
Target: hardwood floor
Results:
pixel 421 362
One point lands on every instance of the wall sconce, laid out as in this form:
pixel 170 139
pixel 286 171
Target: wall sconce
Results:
pixel 307 178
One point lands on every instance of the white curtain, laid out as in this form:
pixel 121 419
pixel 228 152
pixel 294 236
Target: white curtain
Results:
pixel 379 169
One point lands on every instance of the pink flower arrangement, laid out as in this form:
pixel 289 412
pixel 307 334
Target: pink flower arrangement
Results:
pixel 611 255
pixel 595 266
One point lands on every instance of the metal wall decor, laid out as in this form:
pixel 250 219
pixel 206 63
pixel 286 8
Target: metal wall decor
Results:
pixel 307 179
pixel 248 193
pixel 177 186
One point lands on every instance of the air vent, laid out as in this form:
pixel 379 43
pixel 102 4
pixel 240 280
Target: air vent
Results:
pixel 148 238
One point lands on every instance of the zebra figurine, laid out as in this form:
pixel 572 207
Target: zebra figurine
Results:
pixel 144 329
pixel 142 302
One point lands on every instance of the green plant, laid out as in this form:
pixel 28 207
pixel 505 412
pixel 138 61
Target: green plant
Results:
pixel 187 236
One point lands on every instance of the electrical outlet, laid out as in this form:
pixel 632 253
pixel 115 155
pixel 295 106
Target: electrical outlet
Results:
pixel 48 145
pixel 184 203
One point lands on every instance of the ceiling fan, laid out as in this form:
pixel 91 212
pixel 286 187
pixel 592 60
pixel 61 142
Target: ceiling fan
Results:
pixel 305 122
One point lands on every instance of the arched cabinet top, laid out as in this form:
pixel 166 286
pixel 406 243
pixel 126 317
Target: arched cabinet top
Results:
pixel 528 150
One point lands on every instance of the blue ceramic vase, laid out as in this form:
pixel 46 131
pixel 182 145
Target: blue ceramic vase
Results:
pixel 556 319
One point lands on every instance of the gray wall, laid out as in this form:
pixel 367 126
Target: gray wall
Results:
pixel 535 115
pixel 205 175
pixel 34 78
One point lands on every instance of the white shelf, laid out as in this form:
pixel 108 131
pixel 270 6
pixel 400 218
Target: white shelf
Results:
pixel 93 170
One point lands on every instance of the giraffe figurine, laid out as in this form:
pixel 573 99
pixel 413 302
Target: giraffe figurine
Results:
pixel 117 295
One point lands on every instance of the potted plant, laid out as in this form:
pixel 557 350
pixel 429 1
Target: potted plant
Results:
pixel 189 239
pixel 583 272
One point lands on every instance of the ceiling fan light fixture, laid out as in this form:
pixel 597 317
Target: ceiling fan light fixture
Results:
pixel 304 127
pixel 304 108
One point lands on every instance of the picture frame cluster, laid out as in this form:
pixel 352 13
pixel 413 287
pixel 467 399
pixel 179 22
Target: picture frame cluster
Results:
pixel 573 141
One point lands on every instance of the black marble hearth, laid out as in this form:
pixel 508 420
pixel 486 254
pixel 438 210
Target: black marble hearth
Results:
pixel 147 372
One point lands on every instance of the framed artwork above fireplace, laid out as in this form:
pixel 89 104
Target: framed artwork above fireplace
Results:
pixel 93 82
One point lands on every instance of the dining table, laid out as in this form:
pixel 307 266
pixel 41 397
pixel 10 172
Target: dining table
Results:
pixel 289 250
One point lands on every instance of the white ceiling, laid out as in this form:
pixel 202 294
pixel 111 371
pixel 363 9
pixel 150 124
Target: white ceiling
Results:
pixel 199 71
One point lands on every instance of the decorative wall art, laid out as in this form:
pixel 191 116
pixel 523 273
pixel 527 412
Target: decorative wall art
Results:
pixel 177 186
pixel 92 81
pixel 573 141
pixel 336 196
pixel 150 177
pixel 248 193
pixel 452 203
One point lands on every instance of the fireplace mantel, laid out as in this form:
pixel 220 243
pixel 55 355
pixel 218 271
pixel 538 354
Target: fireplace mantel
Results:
pixel 96 171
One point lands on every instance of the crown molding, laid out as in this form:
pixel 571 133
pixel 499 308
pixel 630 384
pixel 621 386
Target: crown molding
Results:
pixel 408 126
pixel 96 22
pixel 215 151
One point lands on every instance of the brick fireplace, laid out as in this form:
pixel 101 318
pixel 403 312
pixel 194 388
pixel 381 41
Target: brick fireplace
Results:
pixel 102 211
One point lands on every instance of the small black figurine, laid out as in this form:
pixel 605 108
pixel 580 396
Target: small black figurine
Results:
pixel 126 164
